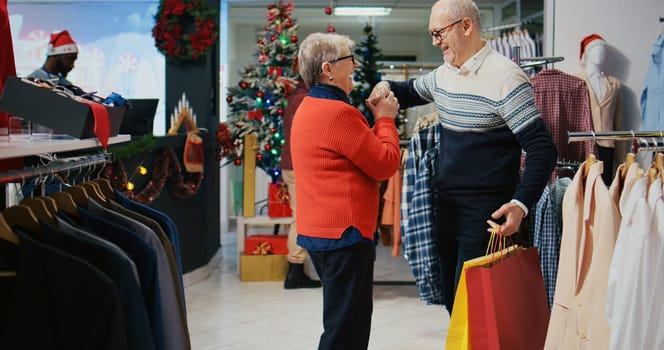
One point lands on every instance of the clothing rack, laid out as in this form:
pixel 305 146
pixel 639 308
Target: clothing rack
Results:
pixel 501 27
pixel 59 165
pixel 532 61
pixel 576 136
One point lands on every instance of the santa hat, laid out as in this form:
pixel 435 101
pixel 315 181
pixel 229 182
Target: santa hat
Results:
pixel 589 42
pixel 61 43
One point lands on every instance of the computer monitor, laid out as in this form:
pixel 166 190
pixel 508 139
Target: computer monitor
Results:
pixel 139 116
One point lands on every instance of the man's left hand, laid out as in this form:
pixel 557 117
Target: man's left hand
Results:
pixel 513 215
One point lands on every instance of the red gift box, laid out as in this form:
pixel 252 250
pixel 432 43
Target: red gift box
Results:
pixel 266 245
pixel 278 201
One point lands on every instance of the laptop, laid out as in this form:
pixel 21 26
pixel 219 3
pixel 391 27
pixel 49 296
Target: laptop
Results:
pixel 139 116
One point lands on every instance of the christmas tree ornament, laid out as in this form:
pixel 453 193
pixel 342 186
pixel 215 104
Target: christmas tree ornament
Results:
pixel 328 10
pixel 237 161
pixel 229 99
pixel 293 39
pixel 331 29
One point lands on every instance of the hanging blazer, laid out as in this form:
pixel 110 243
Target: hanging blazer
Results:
pixel 590 228
pixel 606 112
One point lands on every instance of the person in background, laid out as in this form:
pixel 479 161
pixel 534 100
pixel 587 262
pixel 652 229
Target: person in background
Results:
pixel 487 109
pixel 339 161
pixel 296 278
pixel 61 54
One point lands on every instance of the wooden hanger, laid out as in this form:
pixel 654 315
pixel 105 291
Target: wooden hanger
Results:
pixel 50 203
pixel 79 194
pixel 590 160
pixel 40 210
pixel 92 189
pixel 630 158
pixel 65 203
pixel 106 188
pixel 22 216
pixel 659 164
pixel 6 232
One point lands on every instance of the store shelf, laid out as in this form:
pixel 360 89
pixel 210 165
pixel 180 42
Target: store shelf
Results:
pixel 26 146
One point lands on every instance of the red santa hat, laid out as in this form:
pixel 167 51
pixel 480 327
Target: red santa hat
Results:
pixel 61 43
pixel 590 41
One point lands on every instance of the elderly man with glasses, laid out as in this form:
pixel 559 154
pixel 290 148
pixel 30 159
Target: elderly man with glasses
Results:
pixel 487 110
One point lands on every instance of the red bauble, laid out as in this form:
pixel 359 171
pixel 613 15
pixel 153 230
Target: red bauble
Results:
pixel 259 94
pixel 237 161
pixel 229 99
pixel 243 84
pixel 328 10
pixel 331 29
pixel 280 111
pixel 259 157
pixel 289 23
pixel 273 130
pixel 293 39
pixel 260 41
pixel 268 147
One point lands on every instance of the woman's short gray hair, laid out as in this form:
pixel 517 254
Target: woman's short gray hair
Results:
pixel 317 49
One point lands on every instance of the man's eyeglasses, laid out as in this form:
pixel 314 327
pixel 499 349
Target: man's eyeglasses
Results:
pixel 352 58
pixel 441 33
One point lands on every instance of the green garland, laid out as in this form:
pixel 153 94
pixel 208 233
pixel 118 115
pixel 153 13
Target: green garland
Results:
pixel 134 147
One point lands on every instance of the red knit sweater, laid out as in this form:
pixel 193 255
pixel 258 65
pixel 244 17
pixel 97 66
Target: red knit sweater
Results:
pixel 338 161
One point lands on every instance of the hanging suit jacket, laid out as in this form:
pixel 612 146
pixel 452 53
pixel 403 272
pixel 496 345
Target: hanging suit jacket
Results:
pixel 590 227
pixel 137 326
pixel 71 315
pixel 606 112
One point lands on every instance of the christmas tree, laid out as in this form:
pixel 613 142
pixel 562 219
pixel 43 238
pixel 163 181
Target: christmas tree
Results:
pixel 257 104
pixel 367 76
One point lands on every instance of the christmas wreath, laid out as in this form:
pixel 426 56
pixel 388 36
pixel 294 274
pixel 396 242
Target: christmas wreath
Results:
pixel 185 29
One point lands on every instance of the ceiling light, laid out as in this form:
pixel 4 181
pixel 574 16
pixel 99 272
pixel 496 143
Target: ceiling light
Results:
pixel 362 11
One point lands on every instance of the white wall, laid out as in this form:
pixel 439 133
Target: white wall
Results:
pixel 629 28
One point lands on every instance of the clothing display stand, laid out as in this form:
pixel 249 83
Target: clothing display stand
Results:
pixel 524 62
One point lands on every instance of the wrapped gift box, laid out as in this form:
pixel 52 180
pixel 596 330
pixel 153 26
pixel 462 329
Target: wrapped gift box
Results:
pixel 278 244
pixel 45 107
pixel 278 201
pixel 254 268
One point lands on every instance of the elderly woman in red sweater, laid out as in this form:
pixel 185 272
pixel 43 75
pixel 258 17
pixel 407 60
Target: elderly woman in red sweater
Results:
pixel 339 161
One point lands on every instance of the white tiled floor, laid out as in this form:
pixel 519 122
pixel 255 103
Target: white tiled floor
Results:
pixel 225 313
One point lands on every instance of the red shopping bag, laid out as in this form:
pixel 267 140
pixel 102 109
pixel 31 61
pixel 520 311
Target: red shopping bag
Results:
pixel 507 303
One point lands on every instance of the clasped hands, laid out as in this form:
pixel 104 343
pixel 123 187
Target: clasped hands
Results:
pixel 381 102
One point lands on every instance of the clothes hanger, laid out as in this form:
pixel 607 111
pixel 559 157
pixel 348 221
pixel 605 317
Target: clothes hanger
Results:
pixel 590 160
pixel 22 216
pixel 106 188
pixel 94 192
pixel 66 203
pixel 40 210
pixel 79 194
pixel 50 203
pixel 6 232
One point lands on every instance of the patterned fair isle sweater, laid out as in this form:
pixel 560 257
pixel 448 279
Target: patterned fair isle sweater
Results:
pixel 339 162
pixel 488 113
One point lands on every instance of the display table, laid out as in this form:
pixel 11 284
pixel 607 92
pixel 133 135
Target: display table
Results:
pixel 243 225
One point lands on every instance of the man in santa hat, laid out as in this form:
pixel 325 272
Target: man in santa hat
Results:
pixel 61 54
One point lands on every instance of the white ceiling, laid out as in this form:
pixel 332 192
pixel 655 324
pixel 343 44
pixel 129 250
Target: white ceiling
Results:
pixel 408 17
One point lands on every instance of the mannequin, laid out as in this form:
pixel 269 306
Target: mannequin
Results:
pixel 604 93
